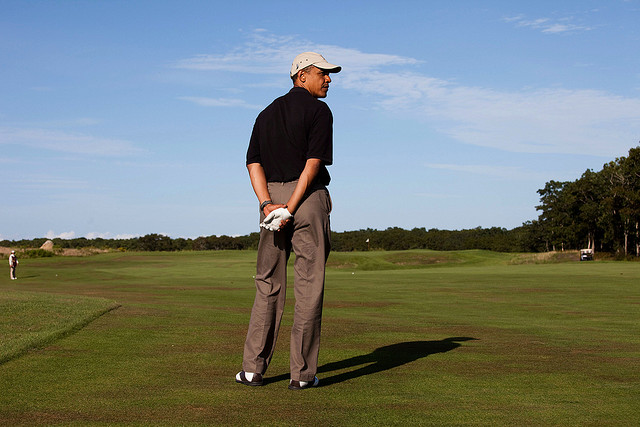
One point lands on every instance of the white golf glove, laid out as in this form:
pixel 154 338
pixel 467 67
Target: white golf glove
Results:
pixel 274 220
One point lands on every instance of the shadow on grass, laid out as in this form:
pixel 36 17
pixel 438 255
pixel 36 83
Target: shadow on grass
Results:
pixel 381 359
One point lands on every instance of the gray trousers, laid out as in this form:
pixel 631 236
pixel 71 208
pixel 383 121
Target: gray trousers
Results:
pixel 309 236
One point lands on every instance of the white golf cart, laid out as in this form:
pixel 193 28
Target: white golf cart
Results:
pixel 586 254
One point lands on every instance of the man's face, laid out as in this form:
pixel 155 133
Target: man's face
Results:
pixel 316 81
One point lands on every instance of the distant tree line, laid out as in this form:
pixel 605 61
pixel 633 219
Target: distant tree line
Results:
pixel 150 242
pixel 600 210
pixel 394 238
pixel 494 239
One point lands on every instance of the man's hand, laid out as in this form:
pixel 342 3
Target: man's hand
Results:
pixel 272 207
pixel 277 218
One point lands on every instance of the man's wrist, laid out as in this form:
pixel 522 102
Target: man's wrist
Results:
pixel 264 204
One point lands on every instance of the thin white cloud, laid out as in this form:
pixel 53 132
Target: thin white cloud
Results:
pixel 109 235
pixel 65 235
pixel 543 120
pixel 534 120
pixel 92 235
pixel 220 102
pixel 548 25
pixel 268 53
pixel 66 142
pixel 440 195
pixel 9 161
pixel 80 121
pixel 477 169
pixel 50 184
pixel 507 172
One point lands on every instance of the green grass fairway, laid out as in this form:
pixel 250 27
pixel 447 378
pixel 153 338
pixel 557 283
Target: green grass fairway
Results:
pixel 34 319
pixel 409 338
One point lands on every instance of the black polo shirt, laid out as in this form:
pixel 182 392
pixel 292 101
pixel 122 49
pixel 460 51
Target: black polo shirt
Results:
pixel 293 128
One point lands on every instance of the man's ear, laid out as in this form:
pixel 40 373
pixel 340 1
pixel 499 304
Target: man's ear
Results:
pixel 302 76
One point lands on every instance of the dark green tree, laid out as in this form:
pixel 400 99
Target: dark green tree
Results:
pixel 155 242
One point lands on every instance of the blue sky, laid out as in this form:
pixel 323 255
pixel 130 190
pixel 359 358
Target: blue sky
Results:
pixel 124 118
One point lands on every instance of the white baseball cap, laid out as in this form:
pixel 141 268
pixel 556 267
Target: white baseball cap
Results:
pixel 311 58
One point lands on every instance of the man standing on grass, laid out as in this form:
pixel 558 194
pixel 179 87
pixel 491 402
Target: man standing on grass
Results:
pixel 290 147
pixel 13 264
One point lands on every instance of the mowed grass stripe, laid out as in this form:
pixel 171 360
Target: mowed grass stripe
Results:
pixel 34 319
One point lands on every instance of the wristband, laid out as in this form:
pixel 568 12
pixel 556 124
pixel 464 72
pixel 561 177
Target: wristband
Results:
pixel 265 203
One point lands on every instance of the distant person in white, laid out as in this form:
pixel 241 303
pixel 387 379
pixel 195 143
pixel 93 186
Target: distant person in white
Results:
pixel 13 263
